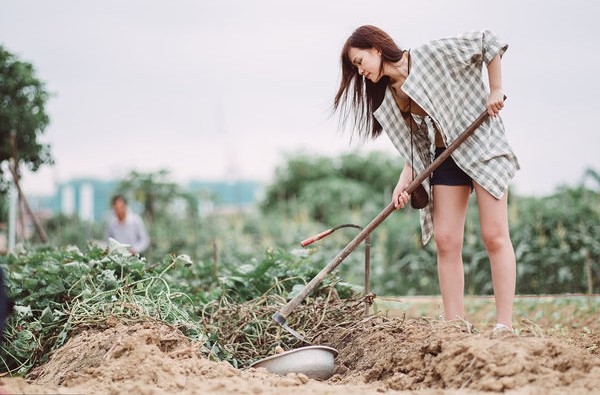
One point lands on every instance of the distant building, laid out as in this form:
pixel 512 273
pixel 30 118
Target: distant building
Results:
pixel 89 199
pixel 225 196
pixel 86 198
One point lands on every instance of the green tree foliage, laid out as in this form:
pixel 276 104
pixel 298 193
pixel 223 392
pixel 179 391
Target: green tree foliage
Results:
pixel 154 192
pixel 326 187
pixel 557 242
pixel 22 110
pixel 4 205
pixel 354 188
pixel 170 213
pixel 593 175
pixel 66 230
pixel 556 238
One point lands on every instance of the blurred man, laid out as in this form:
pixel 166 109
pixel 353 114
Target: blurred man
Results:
pixel 127 227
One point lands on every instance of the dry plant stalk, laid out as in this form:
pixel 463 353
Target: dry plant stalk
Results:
pixel 247 331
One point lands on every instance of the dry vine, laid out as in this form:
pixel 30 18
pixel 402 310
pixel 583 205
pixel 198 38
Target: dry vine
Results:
pixel 247 331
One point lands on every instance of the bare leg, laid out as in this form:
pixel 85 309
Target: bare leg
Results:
pixel 449 212
pixel 493 217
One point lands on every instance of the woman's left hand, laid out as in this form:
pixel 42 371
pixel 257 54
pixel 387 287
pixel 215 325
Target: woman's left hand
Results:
pixel 495 102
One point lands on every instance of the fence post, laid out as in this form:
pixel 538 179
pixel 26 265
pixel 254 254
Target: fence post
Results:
pixel 588 272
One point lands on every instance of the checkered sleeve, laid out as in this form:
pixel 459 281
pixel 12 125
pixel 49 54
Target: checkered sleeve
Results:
pixel 492 45
pixel 472 48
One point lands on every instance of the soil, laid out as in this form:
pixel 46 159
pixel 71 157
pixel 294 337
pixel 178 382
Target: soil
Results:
pixel 379 355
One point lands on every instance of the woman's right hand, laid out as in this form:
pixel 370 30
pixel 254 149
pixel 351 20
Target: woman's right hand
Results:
pixel 400 197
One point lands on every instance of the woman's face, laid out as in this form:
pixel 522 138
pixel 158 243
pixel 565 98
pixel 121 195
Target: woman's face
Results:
pixel 367 61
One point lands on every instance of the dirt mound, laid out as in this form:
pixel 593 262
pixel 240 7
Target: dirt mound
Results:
pixel 395 354
pixel 151 358
pixel 147 353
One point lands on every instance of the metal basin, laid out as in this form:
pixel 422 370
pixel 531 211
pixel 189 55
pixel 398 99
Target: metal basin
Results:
pixel 316 362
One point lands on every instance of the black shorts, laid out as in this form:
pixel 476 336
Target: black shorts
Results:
pixel 448 173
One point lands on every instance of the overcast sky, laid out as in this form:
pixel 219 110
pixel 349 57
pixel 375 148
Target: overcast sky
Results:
pixel 223 89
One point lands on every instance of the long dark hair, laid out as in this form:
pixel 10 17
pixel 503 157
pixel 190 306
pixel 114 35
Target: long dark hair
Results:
pixel 356 94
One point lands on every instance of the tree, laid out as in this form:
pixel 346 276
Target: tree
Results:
pixel 22 111
pixel 326 187
pixel 592 175
pixel 155 193
pixel 170 212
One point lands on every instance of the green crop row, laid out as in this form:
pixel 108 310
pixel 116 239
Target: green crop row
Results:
pixel 59 290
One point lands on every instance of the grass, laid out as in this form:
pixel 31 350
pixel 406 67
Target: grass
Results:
pixel 550 312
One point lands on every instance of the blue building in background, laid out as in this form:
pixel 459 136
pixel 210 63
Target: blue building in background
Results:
pixel 86 198
pixel 89 199
pixel 221 195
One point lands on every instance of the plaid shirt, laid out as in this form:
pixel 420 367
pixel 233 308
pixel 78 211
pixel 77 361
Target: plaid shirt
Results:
pixel 445 80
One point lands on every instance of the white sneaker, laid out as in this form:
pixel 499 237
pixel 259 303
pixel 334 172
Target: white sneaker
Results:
pixel 501 330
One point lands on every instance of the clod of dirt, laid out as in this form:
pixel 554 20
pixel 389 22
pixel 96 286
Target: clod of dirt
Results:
pixel 415 354
pixel 395 356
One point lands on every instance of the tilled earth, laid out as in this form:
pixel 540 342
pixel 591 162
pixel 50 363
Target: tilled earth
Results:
pixel 390 355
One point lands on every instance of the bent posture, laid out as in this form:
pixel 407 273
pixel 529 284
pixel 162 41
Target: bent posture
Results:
pixel 423 99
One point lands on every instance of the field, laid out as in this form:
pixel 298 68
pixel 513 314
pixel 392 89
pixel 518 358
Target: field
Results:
pixel 403 349
pixel 195 312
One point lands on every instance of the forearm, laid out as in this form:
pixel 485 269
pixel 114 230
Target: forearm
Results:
pixel 494 70
pixel 142 243
pixel 495 101
pixel 407 173
pixel 400 197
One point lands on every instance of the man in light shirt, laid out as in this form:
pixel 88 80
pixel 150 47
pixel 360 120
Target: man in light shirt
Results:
pixel 127 227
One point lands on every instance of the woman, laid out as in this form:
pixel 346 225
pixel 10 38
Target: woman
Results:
pixel 423 99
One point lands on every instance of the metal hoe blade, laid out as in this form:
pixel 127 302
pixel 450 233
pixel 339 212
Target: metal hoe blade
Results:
pixel 281 321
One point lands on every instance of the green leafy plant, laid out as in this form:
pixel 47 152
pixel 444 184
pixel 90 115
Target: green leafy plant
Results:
pixel 59 290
